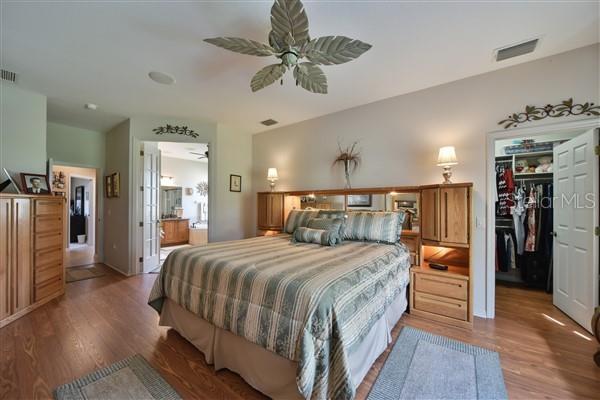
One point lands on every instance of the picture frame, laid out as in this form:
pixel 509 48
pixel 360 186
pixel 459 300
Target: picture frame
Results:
pixel 235 183
pixel 12 179
pixel 35 183
pixel 116 184
pixel 359 200
pixel 108 186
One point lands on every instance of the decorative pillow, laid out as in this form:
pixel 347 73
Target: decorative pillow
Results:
pixel 330 214
pixel 297 218
pixel 383 227
pixel 330 224
pixel 319 236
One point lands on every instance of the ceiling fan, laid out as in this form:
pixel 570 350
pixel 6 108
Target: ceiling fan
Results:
pixel 289 41
pixel 202 155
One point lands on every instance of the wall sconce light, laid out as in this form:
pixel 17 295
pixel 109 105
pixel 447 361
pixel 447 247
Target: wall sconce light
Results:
pixel 272 177
pixel 447 158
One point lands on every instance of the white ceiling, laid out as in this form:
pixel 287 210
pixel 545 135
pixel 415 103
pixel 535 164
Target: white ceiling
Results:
pixel 101 52
pixel 183 150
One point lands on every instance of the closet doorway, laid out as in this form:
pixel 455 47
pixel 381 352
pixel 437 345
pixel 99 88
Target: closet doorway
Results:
pixel 544 244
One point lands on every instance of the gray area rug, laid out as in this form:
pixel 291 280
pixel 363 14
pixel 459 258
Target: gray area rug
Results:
pixel 129 379
pixel 426 366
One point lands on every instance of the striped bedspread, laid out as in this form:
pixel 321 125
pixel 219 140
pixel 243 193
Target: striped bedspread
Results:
pixel 308 303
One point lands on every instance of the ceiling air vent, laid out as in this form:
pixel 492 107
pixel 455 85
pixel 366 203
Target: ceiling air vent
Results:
pixel 516 50
pixel 268 122
pixel 9 76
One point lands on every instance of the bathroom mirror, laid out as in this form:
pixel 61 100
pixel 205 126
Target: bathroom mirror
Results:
pixel 170 201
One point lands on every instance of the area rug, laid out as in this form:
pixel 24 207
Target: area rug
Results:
pixel 426 366
pixel 81 273
pixel 129 379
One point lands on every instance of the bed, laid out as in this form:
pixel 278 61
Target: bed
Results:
pixel 295 320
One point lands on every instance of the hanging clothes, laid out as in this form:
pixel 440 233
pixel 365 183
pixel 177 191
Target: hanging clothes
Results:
pixel 505 186
pixel 531 221
pixel 519 213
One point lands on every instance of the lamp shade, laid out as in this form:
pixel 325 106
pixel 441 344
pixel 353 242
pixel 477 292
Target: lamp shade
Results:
pixel 447 156
pixel 272 174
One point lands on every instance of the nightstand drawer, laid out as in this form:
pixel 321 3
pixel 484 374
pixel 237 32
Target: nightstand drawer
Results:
pixel 441 305
pixel 441 285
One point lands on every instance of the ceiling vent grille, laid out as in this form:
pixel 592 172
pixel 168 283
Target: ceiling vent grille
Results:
pixel 516 50
pixel 268 122
pixel 9 76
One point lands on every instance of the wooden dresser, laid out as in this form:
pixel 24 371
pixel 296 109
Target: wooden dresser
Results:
pixel 445 296
pixel 175 231
pixel 271 213
pixel 31 253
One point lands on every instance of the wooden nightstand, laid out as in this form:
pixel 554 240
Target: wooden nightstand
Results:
pixel 441 295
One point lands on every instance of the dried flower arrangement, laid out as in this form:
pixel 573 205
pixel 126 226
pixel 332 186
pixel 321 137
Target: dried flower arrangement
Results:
pixel 350 158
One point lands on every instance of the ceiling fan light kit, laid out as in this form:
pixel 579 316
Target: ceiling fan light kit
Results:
pixel 289 41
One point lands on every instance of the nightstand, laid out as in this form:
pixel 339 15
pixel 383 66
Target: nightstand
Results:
pixel 442 296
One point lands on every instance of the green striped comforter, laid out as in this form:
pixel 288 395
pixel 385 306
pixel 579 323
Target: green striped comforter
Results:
pixel 308 303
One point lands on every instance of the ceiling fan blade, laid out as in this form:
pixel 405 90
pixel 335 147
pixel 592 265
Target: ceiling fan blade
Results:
pixel 195 153
pixel 244 46
pixel 329 50
pixel 288 17
pixel 267 76
pixel 311 78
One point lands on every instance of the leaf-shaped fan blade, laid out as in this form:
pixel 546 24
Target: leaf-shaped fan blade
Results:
pixel 244 46
pixel 288 16
pixel 329 50
pixel 267 76
pixel 311 77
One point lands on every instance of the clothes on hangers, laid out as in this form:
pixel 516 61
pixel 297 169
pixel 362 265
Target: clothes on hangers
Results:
pixel 505 186
pixel 519 213
pixel 531 221
pixel 506 258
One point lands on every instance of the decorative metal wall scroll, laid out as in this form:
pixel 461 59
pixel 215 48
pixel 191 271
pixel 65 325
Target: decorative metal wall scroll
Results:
pixel 179 130
pixel 563 109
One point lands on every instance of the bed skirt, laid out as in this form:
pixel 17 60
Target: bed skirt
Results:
pixel 264 370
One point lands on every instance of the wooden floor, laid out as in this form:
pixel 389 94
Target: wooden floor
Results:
pixel 103 320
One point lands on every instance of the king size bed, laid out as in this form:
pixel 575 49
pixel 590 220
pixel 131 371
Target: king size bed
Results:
pixel 295 320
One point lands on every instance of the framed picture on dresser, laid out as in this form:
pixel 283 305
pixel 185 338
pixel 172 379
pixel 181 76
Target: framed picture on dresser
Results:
pixel 35 183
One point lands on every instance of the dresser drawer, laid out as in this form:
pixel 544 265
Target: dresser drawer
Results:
pixel 48 207
pixel 441 306
pixel 48 288
pixel 49 223
pixel 441 285
pixel 45 258
pixel 48 240
pixel 42 275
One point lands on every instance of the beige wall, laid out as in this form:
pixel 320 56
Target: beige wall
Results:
pixel 399 137
pixel 117 224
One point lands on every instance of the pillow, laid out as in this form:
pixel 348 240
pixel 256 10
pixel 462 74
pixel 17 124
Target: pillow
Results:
pixel 335 214
pixel 383 227
pixel 319 236
pixel 330 224
pixel 297 218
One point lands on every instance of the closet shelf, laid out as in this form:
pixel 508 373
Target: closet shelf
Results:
pixel 529 174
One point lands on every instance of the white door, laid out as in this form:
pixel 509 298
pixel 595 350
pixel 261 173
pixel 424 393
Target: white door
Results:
pixel 575 220
pixel 150 207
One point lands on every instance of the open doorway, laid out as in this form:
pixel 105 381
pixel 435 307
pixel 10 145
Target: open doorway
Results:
pixel 78 185
pixel 544 215
pixel 175 182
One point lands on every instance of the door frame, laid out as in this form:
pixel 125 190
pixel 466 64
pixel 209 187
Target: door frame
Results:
pixel 532 131
pixel 135 198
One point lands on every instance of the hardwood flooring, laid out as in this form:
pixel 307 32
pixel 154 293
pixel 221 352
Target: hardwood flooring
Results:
pixel 100 321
